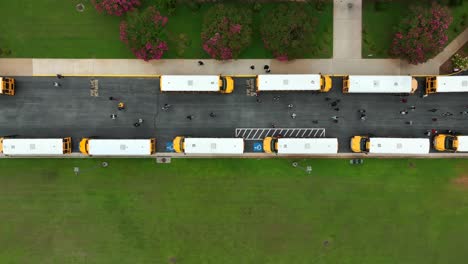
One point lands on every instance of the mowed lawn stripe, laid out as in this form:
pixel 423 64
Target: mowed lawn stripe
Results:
pixel 233 211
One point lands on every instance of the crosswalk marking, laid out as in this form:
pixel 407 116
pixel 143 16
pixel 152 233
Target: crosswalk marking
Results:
pixel 261 133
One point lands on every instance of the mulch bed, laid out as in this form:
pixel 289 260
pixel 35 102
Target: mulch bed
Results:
pixel 447 67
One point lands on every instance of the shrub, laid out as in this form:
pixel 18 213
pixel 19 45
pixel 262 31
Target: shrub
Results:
pixel 287 31
pixel 193 5
pixel 422 34
pixel 319 5
pixel 464 20
pixel 226 31
pixel 168 5
pixel 144 33
pixel 115 7
pixel 381 5
pixel 257 7
pixel 460 62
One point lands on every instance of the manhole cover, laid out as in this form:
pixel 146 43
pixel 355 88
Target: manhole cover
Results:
pixel 80 7
pixel 163 160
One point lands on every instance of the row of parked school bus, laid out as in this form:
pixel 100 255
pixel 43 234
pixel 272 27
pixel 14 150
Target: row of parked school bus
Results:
pixel 396 84
pixel 230 146
pixel 264 83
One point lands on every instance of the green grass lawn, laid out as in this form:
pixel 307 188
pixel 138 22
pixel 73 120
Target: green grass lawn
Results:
pixel 233 211
pixel 54 29
pixel 378 26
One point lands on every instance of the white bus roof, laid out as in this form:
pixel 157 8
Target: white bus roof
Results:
pixel 189 83
pixel 452 84
pixel 288 82
pixel 399 145
pixel 119 147
pixel 214 145
pixel 33 146
pixel 307 146
pixel 380 84
pixel 462 143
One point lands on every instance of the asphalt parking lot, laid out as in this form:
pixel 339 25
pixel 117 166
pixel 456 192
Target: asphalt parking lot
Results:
pixel 41 110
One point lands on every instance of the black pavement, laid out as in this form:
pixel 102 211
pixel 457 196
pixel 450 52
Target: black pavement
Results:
pixel 41 110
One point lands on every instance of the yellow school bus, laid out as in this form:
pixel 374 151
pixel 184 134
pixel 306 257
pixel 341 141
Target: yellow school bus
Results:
pixel 196 83
pixel 7 86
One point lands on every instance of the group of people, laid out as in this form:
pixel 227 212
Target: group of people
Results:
pixel 266 67
pixel 121 106
pixel 57 84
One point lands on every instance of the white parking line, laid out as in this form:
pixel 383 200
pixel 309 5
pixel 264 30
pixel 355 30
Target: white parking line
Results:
pixel 261 133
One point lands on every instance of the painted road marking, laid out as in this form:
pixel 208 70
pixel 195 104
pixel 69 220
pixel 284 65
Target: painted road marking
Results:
pixel 261 133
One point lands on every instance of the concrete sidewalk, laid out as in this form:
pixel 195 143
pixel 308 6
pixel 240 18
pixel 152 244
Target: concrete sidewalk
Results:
pixel 347 29
pixel 121 67
pixel 452 48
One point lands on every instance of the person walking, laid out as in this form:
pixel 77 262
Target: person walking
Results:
pixel 140 120
pixel 293 115
pixel 190 117
pixel 337 109
pixel 290 106
pixel 334 117
pixel 166 107
pixel 213 115
pixel 136 124
pixel 252 67
pixel 121 106
pixel 201 63
pixel 56 84
pixel 266 67
pixel 403 112
pixel 434 119
pixel 113 116
pixel 60 76
pixel 413 108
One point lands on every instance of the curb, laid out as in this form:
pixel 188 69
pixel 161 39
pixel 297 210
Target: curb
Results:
pixel 102 75
pixel 253 155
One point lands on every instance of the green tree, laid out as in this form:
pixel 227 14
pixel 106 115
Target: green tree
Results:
pixel 144 33
pixel 226 31
pixel 288 30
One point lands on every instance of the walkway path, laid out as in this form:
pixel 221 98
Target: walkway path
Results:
pixel 347 29
pixel 347 23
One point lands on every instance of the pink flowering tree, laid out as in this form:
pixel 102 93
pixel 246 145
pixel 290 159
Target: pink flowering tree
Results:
pixel 226 31
pixel 144 33
pixel 287 31
pixel 115 7
pixel 422 34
